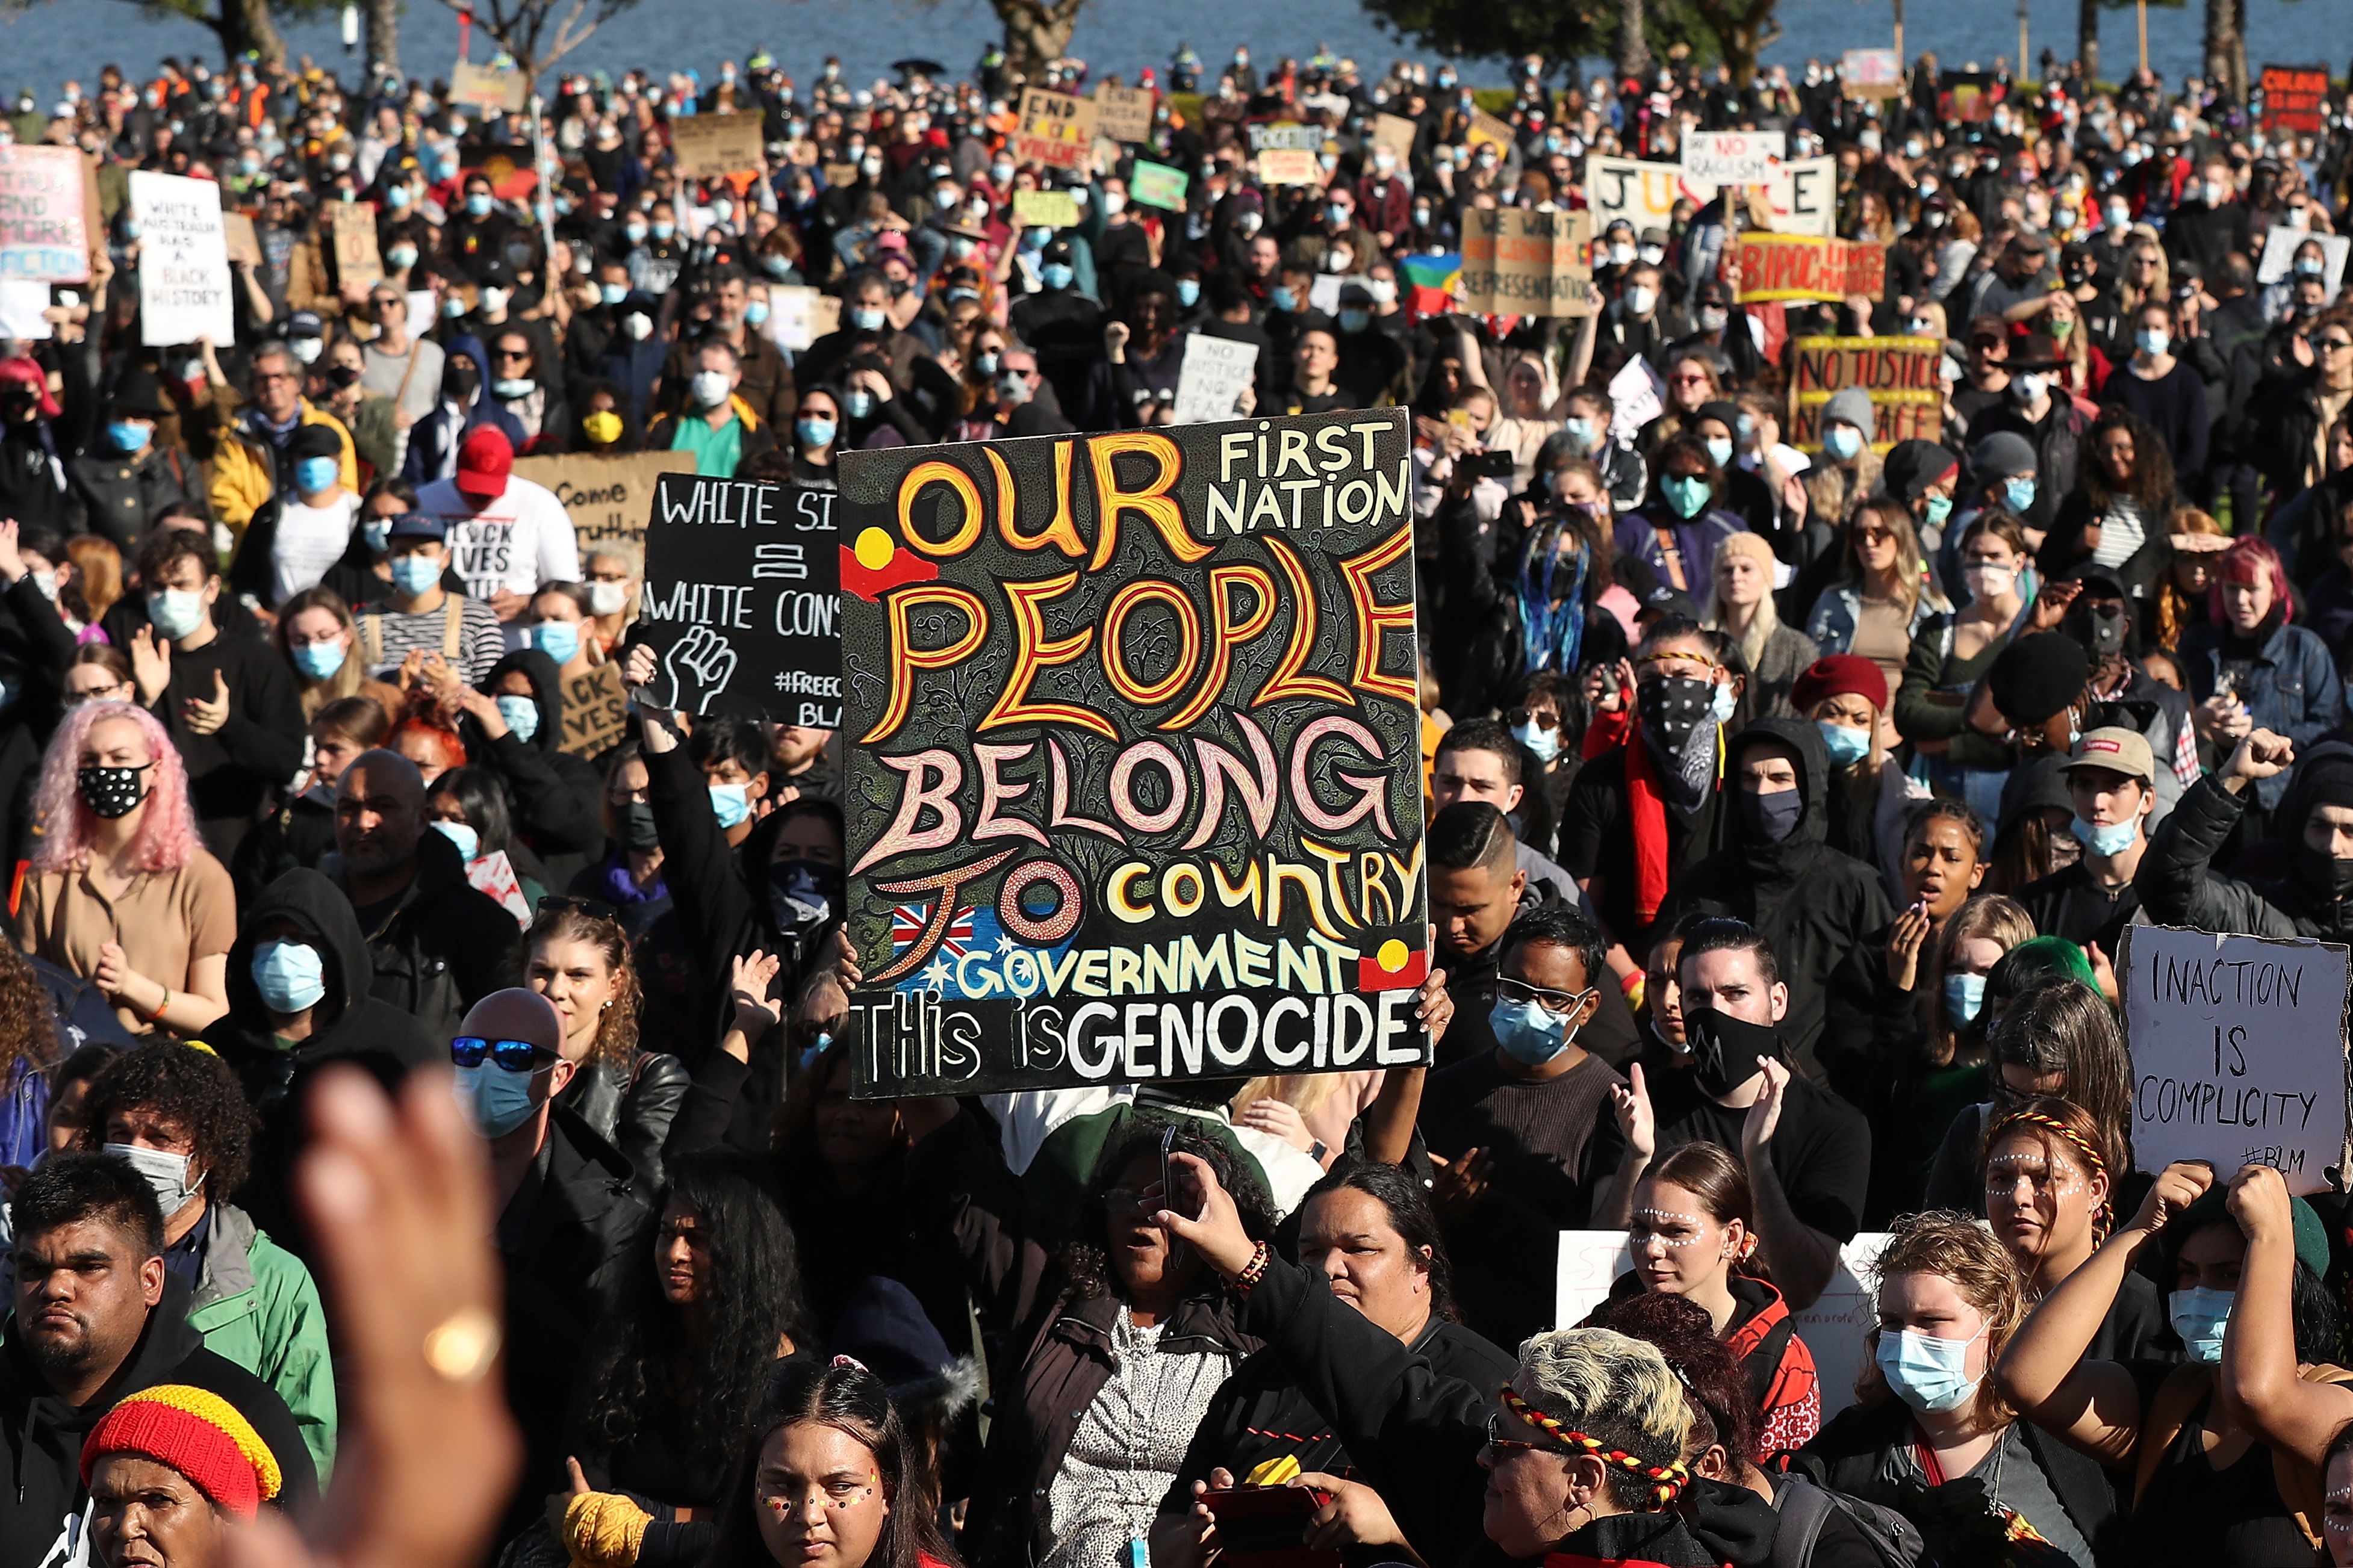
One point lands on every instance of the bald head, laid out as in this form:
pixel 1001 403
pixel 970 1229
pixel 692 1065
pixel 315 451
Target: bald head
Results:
pixel 517 1013
pixel 379 812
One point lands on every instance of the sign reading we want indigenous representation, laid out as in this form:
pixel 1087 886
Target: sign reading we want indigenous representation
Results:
pixel 1134 790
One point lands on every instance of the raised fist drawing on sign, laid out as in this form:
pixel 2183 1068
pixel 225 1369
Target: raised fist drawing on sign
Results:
pixel 700 664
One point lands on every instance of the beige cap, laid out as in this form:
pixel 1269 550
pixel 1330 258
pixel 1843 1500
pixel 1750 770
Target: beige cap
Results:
pixel 2118 749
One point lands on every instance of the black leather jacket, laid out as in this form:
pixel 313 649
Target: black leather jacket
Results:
pixel 633 1115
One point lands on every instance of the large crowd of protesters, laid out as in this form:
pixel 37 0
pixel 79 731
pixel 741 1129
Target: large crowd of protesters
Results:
pixel 1787 808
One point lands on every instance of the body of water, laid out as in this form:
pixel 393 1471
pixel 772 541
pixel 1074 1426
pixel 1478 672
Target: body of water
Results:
pixel 59 40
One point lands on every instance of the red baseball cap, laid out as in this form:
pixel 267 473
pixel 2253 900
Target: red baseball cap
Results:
pixel 485 459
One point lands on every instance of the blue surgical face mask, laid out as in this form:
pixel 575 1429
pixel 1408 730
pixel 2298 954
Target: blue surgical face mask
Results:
pixel 814 432
pixel 378 535
pixel 1686 493
pixel 1056 274
pixel 1925 1371
pixel 559 640
pixel 1529 1034
pixel 312 475
pixel 866 317
pixel 318 661
pixel 2106 838
pixel 2017 494
pixel 290 976
pixel 415 575
pixel 1544 742
pixel 521 715
pixel 2152 341
pixel 127 438
pixel 1354 321
pixel 1846 744
pixel 175 612
pixel 1281 298
pixel 1719 450
pixel 1582 434
pixel 663 230
pixel 1964 999
pixel 731 803
pixel 478 205
pixel 2199 1315
pixel 1937 510
pixel 1721 703
pixel 1188 293
pixel 499 1101
pixel 612 293
pixel 857 402
pixel 755 313
pixel 469 842
pixel 1842 442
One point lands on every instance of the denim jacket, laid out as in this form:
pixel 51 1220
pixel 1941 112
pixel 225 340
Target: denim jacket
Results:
pixel 1831 622
pixel 2293 691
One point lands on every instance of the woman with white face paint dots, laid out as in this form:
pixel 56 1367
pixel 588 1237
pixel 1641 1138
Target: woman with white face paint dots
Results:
pixel 2049 1181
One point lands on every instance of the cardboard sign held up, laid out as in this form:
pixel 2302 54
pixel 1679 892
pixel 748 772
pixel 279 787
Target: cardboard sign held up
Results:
pixel 707 146
pixel 1493 132
pixel 1396 132
pixel 1519 262
pixel 488 89
pixel 244 244
pixel 1132 716
pixel 1733 157
pixel 1798 266
pixel 1873 73
pixel 1158 186
pixel 2237 1052
pixel 797 316
pixel 2296 99
pixel 595 710
pixel 1210 381
pixel 183 280
pixel 353 227
pixel 1124 113
pixel 1287 136
pixel 44 227
pixel 2280 248
pixel 1055 129
pixel 609 498
pixel 1645 195
pixel 1287 166
pixel 1907 400
pixel 1044 209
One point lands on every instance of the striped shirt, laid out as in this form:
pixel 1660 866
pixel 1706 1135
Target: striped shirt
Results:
pixel 480 643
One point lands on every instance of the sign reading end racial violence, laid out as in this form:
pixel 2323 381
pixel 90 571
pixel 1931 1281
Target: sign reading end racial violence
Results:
pixel 2237 1052
pixel 1134 790
pixel 740 583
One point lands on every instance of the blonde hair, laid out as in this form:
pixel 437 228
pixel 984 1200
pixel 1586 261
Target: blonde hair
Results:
pixel 1613 1388
pixel 1304 1092
pixel 1999 920
pixel 2160 287
pixel 1764 621
pixel 1964 1251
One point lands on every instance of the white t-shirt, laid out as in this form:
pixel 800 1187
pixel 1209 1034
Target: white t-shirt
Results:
pixel 309 539
pixel 519 541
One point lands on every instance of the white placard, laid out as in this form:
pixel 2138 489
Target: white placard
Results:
pixel 2281 244
pixel 1637 396
pixel 1805 198
pixel 1645 195
pixel 1214 372
pixel 790 316
pixel 2238 1051
pixel 1323 294
pixel 1733 157
pixel 1834 1328
pixel 21 304
pixel 183 280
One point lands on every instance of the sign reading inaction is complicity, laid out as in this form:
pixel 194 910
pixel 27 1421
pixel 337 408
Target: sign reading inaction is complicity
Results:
pixel 1134 790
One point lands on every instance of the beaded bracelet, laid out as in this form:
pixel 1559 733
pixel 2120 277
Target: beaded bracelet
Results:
pixel 1254 1270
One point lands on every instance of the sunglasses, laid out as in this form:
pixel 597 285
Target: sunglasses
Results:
pixel 1496 1438
pixel 511 1056
pixel 1542 718
pixel 556 903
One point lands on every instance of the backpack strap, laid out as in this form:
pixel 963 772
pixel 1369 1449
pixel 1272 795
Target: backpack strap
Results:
pixel 372 640
pixel 453 625
pixel 1804 1508
pixel 2182 1391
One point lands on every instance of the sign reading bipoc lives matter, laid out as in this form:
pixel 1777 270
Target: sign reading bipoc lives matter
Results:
pixel 1134 789
pixel 742 579
pixel 2238 1050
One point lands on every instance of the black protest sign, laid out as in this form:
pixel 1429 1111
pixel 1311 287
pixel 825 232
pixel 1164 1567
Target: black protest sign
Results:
pixel 740 586
pixel 1134 778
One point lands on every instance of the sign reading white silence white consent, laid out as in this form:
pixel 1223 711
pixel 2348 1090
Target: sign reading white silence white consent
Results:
pixel 2238 1051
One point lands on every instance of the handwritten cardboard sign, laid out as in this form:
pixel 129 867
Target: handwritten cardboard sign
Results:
pixel 352 227
pixel 1733 157
pixel 1520 262
pixel 1487 130
pixel 1044 209
pixel 1800 266
pixel 1133 794
pixel 1396 132
pixel 43 224
pixel 2295 97
pixel 1286 136
pixel 1907 400
pixel 1055 129
pixel 1645 195
pixel 244 243
pixel 1287 166
pixel 742 581
pixel 1210 381
pixel 2238 1051
pixel 488 89
pixel 707 146
pixel 595 711
pixel 609 498
pixel 1873 73
pixel 799 315
pixel 1124 113
pixel 1158 186
pixel 184 279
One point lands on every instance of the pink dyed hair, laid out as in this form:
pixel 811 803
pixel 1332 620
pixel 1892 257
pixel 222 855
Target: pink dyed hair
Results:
pixel 2249 560
pixel 167 833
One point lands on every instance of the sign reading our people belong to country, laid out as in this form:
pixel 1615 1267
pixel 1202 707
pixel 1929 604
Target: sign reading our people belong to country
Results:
pixel 1133 791
pixel 1907 400
pixel 2238 1051
pixel 1517 261
pixel 741 585
pixel 184 279
pixel 1802 266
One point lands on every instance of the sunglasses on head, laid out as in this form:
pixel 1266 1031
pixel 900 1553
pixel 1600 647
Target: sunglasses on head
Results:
pixel 556 903
pixel 513 1055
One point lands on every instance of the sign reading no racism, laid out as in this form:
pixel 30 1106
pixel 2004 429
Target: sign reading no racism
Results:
pixel 1134 790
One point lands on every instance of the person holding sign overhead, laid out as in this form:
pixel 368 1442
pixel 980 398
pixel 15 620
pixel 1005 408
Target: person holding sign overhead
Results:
pixel 2314 824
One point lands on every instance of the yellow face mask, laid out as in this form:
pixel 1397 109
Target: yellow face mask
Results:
pixel 604 426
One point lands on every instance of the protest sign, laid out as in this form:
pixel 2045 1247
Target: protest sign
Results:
pixel 1968 96
pixel 183 260
pixel 351 225
pixel 21 304
pixel 595 710
pixel 1799 267
pixel 2295 97
pixel 799 315
pixel 1907 399
pixel 2238 1051
pixel 43 223
pixel 1873 73
pixel 742 584
pixel 2281 244
pixel 1520 262
pixel 1733 157
pixel 244 244
pixel 1158 186
pixel 1286 136
pixel 1645 195
pixel 1124 113
pixel 1486 129
pixel 707 146
pixel 1211 378
pixel 1804 198
pixel 1132 792
pixel 1396 132
pixel 838 175
pixel 1835 1329
pixel 1044 209
pixel 1637 396
pixel 1055 131
pixel 608 496
pixel 1283 166
pixel 487 89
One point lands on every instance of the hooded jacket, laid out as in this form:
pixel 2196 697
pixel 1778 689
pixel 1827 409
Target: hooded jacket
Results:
pixel 256 1305
pixel 348 1025
pixel 442 948
pixel 1812 903
pixel 2177 880
pixel 555 794
pixel 42 1504
pixel 432 441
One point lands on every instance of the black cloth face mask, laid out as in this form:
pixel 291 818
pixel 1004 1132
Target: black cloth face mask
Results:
pixel 1672 707
pixel 112 793
pixel 1725 1050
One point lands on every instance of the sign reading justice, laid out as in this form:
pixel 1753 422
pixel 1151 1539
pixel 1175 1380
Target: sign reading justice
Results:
pixel 1134 790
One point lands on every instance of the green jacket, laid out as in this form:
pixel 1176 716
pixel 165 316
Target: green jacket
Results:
pixel 256 1305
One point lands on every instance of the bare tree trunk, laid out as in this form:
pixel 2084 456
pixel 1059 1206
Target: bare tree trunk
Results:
pixel 1633 48
pixel 383 34
pixel 2238 51
pixel 260 33
pixel 2087 37
pixel 2218 45
pixel 1037 32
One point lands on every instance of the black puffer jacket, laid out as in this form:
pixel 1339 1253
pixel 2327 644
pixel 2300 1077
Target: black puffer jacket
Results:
pixel 2177 880
pixel 556 795
pixel 1815 905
